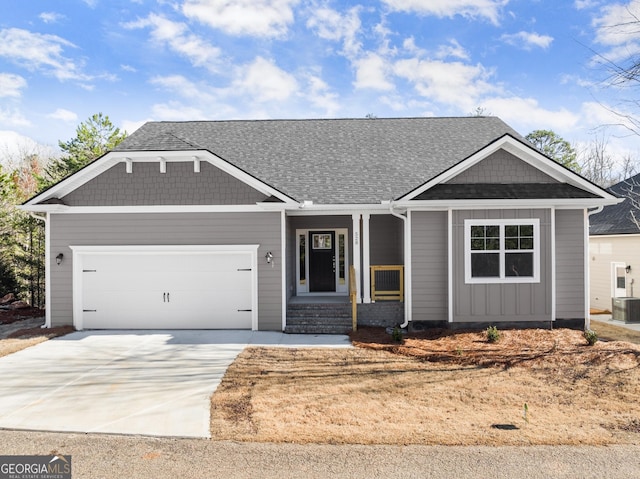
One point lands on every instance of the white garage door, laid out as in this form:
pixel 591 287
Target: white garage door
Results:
pixel 166 290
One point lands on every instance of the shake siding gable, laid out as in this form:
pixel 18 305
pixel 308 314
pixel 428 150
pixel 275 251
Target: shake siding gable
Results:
pixel 502 167
pixel 168 229
pixel 180 185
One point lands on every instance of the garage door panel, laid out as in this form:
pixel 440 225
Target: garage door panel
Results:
pixel 167 291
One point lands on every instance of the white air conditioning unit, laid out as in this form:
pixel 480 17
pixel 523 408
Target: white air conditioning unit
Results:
pixel 626 309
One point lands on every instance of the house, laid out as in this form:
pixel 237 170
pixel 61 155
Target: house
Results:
pixel 265 225
pixel 614 247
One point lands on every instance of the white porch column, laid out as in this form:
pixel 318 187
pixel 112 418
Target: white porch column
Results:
pixel 356 253
pixel 366 262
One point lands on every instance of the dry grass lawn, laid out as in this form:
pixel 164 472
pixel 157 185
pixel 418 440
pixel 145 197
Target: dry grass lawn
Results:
pixel 443 388
pixel 16 335
pixel 612 332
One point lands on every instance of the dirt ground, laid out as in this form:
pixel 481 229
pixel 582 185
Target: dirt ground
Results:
pixel 531 387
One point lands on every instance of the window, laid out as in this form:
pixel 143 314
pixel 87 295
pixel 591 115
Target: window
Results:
pixel 502 251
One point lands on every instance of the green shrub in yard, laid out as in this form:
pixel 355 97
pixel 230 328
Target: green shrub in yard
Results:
pixel 493 335
pixel 396 335
pixel 591 336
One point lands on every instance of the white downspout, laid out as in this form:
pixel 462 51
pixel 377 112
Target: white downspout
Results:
pixel 587 279
pixel 47 272
pixel 407 259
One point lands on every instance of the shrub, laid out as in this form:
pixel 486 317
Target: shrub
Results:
pixel 396 335
pixel 493 335
pixel 591 336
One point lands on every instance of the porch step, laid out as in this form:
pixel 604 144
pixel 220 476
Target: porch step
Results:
pixel 318 318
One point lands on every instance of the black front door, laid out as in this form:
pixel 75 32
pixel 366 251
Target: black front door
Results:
pixel 322 261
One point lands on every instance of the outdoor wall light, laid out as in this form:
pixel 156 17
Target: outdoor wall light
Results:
pixel 59 258
pixel 628 269
pixel 269 257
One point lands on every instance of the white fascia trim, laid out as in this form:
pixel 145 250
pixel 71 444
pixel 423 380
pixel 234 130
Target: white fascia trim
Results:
pixel 112 158
pixel 586 266
pixel 450 265
pixel 523 152
pixel 319 210
pixel 554 282
pixel 625 235
pixel 283 266
pixel 47 270
pixel 444 205
pixel 169 209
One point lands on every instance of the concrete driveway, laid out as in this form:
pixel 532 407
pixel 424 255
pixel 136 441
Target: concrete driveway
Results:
pixel 156 383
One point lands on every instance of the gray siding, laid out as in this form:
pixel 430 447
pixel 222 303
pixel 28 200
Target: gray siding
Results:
pixel 502 302
pixel 169 229
pixel 429 279
pixel 502 167
pixel 570 271
pixel 178 186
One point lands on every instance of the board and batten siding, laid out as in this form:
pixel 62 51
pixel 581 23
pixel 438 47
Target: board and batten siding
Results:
pixel 502 301
pixel 570 267
pixel 109 229
pixel 429 273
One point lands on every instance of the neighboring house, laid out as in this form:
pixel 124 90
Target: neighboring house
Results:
pixel 614 247
pixel 262 225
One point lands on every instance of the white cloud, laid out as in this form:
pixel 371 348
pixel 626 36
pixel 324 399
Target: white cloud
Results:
pixel 489 9
pixel 584 4
pixel 371 72
pixel 13 118
pixel 320 95
pixel 331 25
pixel 132 125
pixel 50 17
pixel 14 147
pixel 177 36
pixel 452 84
pixel 176 111
pixel 63 115
pixel 11 85
pixel 527 40
pixel 128 68
pixel 264 81
pixel 617 28
pixel 261 18
pixel 527 115
pixel 453 50
pixel 36 51
pixel 184 87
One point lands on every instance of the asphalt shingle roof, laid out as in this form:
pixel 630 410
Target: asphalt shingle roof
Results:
pixel 616 219
pixel 343 161
pixel 516 191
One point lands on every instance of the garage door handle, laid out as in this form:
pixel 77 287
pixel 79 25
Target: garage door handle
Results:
pixel 89 310
pixel 245 310
pixel 168 298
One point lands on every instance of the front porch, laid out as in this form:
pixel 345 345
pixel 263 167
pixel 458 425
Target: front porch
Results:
pixel 333 314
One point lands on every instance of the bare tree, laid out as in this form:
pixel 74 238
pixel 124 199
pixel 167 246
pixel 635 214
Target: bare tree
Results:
pixel 631 190
pixel 597 164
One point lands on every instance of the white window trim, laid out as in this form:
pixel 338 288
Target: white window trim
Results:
pixel 502 223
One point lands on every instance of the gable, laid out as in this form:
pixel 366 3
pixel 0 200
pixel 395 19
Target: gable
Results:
pixel 180 185
pixel 509 170
pixel 501 167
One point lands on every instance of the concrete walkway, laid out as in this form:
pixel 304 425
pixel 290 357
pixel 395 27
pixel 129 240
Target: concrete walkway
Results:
pixel 156 383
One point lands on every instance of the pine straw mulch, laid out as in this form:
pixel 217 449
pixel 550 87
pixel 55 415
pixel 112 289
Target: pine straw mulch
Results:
pixel 527 348
pixel 439 387
pixel 17 333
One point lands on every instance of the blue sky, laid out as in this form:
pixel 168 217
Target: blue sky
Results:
pixel 532 63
